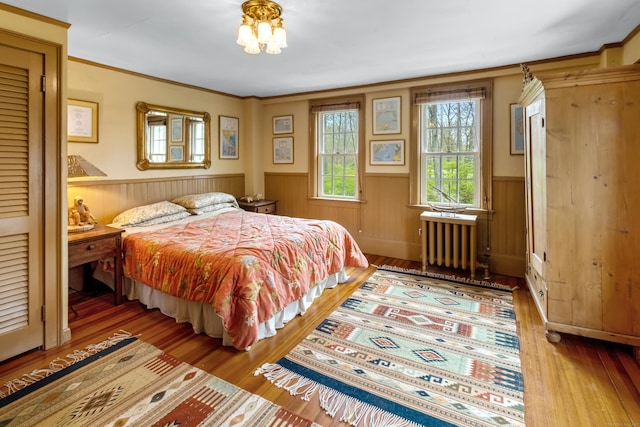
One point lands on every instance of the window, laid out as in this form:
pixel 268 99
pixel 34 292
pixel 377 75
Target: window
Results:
pixel 338 149
pixel 157 137
pixel 453 146
pixel 196 130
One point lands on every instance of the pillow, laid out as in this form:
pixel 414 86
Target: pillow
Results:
pixel 163 219
pixel 212 208
pixel 193 201
pixel 144 213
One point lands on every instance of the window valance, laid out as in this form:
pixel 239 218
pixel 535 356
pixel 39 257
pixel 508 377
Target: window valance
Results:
pixel 347 105
pixel 430 96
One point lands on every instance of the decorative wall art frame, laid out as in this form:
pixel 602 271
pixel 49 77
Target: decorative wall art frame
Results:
pixel 283 149
pixel 82 121
pixel 282 124
pixel 386 115
pixel 517 129
pixel 387 152
pixel 176 153
pixel 229 127
pixel 176 128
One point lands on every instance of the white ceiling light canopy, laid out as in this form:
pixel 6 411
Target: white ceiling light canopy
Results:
pixel 261 28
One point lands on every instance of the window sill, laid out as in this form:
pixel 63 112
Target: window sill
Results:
pixel 469 211
pixel 325 200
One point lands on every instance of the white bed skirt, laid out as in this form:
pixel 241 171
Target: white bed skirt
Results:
pixel 204 319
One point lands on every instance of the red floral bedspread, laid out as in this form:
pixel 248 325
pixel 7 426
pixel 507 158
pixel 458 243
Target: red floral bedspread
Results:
pixel 247 265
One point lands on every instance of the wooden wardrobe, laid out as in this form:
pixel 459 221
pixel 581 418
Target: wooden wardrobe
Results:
pixel 582 177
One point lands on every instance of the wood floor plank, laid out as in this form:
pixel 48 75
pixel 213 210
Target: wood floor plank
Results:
pixel 577 382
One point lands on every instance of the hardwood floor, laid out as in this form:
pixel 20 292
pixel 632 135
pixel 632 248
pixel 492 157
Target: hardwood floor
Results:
pixel 577 382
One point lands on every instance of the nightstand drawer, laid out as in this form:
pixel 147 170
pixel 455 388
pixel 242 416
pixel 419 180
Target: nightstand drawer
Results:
pixel 267 209
pixel 83 252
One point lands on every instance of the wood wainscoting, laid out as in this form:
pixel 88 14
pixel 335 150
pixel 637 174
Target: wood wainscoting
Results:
pixel 384 223
pixel 106 199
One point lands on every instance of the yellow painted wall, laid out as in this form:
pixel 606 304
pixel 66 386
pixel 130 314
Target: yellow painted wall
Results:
pixel 507 88
pixel 117 93
pixel 631 48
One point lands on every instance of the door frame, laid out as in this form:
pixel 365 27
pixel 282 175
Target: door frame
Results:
pixel 54 182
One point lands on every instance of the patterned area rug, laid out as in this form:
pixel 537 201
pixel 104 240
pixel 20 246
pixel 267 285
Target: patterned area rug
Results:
pixel 124 381
pixel 407 350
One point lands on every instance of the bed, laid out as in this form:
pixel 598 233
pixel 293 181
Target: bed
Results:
pixel 232 274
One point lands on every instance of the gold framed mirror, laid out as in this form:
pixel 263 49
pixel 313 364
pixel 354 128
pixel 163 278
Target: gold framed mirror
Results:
pixel 172 138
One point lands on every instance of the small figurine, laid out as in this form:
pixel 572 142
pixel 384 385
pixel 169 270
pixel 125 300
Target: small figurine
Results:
pixel 79 213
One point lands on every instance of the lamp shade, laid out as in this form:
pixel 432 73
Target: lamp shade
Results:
pixel 280 36
pixel 264 32
pixel 244 34
pixel 78 167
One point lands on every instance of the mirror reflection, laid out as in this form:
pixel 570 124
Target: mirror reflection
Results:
pixel 170 138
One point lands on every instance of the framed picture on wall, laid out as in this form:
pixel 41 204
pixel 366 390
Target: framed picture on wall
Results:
pixel 82 121
pixel 176 128
pixel 517 129
pixel 283 149
pixel 229 137
pixel 387 152
pixel 176 153
pixel 282 124
pixel 386 115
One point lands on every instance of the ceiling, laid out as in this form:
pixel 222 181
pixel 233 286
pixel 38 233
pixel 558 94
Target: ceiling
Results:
pixel 332 43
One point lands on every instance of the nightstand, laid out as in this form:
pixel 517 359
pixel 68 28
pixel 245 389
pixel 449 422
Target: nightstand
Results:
pixel 96 244
pixel 261 206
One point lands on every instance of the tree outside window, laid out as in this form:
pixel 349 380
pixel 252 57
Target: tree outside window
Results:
pixel 338 153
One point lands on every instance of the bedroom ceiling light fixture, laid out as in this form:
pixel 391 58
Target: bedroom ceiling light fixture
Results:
pixel 261 28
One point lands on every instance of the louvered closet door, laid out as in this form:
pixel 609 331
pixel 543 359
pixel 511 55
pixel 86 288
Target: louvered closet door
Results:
pixel 21 219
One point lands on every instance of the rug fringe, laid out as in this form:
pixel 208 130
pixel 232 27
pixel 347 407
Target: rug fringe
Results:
pixel 449 277
pixel 351 410
pixel 60 363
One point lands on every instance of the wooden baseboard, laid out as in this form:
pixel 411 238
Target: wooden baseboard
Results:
pixel 507 265
pixel 389 248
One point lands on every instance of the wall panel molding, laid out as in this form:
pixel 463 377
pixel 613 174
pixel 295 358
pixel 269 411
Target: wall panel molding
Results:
pixel 106 199
pixel 384 223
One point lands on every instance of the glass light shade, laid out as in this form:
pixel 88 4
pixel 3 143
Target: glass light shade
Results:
pixel 244 34
pixel 264 32
pixel 252 46
pixel 272 47
pixel 280 36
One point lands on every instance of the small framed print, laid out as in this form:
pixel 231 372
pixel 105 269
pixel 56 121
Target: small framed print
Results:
pixel 176 153
pixel 82 121
pixel 283 149
pixel 517 129
pixel 176 128
pixel 386 115
pixel 387 152
pixel 282 124
pixel 228 137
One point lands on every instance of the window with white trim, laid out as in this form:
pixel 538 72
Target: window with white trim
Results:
pixel 196 133
pixel 450 144
pixel 157 137
pixel 338 149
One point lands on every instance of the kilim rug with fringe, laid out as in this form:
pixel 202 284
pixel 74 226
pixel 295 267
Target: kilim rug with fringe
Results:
pixel 410 350
pixel 125 382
